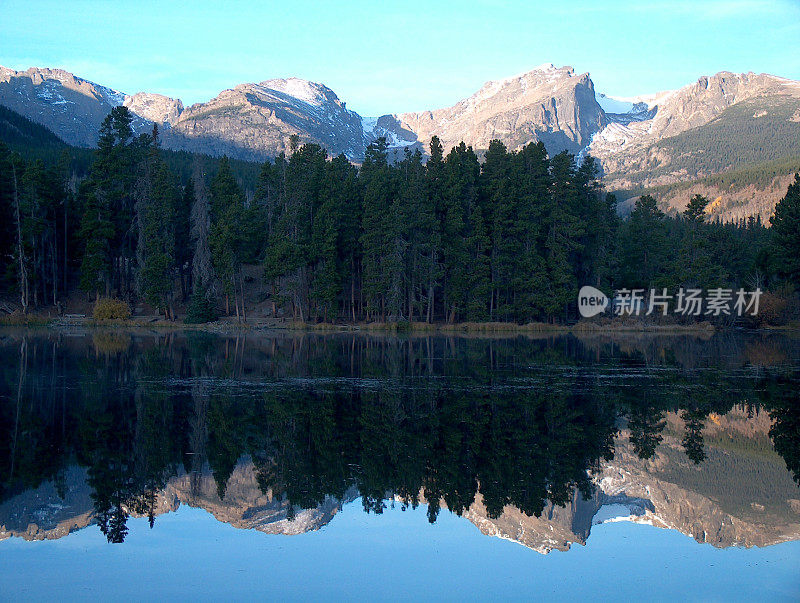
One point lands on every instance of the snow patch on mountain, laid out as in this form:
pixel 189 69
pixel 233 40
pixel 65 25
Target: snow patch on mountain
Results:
pixel 49 91
pixel 614 512
pixel 114 98
pixel 651 100
pixel 303 90
pixel 368 125
pixel 386 126
pixel 613 105
pixel 783 81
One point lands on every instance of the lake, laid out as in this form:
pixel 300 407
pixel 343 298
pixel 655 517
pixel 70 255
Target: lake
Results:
pixel 193 465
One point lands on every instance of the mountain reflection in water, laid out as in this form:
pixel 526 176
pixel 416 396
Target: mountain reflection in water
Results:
pixel 528 438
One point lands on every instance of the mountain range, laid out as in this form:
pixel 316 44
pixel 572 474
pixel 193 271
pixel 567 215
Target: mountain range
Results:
pixel 734 137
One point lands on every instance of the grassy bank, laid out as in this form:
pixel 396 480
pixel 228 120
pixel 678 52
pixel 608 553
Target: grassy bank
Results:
pixel 507 327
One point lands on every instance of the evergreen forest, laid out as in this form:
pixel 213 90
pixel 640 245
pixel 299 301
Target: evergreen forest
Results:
pixel 439 238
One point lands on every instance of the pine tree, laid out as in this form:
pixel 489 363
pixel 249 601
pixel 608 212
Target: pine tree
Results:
pixel 643 245
pixel 435 186
pixel 378 228
pixel 226 236
pixel 110 196
pixel 696 209
pixel 500 184
pixel 334 239
pixel 295 248
pixel 155 217
pixel 477 279
pixel 200 225
pixel 20 248
pixel 201 308
pixel 183 242
pixel 786 234
pixel 694 266
pixel 345 189
pixel 462 172
pixel 563 232
pixel 97 230
pixel 420 233
pixel 8 235
pixel 597 215
pixel 529 291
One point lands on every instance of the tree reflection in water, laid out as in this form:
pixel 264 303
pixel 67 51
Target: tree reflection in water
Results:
pixel 522 422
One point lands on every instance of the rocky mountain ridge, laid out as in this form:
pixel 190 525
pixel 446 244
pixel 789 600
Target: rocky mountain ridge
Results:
pixel 255 121
pixel 641 142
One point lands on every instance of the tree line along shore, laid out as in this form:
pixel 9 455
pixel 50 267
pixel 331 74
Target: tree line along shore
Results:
pixel 501 243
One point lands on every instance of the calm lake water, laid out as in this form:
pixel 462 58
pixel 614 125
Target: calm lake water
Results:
pixel 196 466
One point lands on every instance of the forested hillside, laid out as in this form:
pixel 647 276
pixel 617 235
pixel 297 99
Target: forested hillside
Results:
pixel 447 240
pixel 742 160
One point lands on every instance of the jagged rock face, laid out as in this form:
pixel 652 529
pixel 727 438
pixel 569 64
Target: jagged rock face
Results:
pixel 74 108
pixel 251 121
pixel 398 138
pixel 556 529
pixel 697 104
pixel 244 506
pixel 550 104
pixel 255 121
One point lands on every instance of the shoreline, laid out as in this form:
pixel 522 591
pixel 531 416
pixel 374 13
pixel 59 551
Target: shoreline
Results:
pixel 582 328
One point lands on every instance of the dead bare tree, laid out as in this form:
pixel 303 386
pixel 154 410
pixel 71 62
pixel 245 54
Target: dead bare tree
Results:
pixel 23 272
pixel 200 225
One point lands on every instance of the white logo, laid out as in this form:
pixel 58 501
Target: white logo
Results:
pixel 591 301
pixel 688 302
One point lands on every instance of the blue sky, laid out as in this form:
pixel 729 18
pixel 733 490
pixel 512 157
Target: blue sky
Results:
pixel 383 57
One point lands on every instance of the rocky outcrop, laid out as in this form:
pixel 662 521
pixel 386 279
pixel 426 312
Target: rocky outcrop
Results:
pixel 244 506
pixel 550 104
pixel 557 529
pixel 155 108
pixel 49 512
